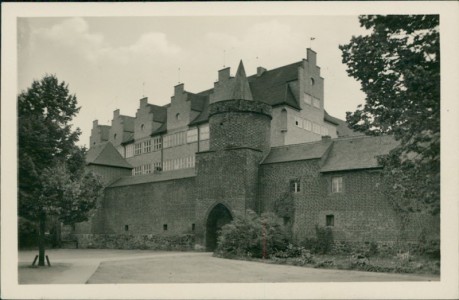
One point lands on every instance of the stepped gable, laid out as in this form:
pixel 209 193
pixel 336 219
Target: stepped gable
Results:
pixel 355 153
pixel 105 154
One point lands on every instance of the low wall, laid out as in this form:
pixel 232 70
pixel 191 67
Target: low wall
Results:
pixel 138 241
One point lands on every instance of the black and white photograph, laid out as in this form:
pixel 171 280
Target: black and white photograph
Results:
pixel 230 150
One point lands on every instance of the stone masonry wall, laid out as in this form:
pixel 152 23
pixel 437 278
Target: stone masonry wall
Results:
pixel 240 123
pixel 228 177
pixel 361 212
pixel 145 208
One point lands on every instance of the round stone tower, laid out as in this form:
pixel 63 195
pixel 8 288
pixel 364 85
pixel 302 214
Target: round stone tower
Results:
pixel 227 174
pixel 236 120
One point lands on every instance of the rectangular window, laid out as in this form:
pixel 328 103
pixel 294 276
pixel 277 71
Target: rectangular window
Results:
pixel 316 102
pixel 330 220
pixel 307 98
pixel 147 146
pixel 157 166
pixel 137 170
pixel 298 122
pixel 138 149
pixel 175 139
pixel 130 150
pixel 337 184
pixel 307 125
pixel 157 143
pixel 295 186
pixel 204 133
pixel 192 135
pixel 316 128
pixel 324 130
pixel 146 169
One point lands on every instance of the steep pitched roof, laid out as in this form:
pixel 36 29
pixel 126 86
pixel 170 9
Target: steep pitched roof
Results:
pixel 154 177
pixel 312 150
pixel 342 129
pixel 106 155
pixel 270 87
pixel 159 113
pixel 357 152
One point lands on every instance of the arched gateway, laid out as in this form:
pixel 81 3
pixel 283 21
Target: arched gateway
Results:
pixel 218 216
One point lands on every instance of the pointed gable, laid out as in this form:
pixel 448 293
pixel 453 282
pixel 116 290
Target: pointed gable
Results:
pixel 105 154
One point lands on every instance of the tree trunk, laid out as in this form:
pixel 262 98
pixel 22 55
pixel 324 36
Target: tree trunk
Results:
pixel 41 240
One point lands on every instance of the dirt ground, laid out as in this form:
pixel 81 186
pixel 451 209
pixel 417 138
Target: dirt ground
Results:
pixel 144 266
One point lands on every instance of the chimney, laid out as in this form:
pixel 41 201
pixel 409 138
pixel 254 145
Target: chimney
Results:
pixel 95 123
pixel 311 56
pixel 116 113
pixel 179 88
pixel 143 101
pixel 260 71
pixel 223 74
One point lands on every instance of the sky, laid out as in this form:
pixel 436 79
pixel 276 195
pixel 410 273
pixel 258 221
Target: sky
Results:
pixel 110 63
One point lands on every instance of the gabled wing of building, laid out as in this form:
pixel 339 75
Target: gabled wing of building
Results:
pixel 105 154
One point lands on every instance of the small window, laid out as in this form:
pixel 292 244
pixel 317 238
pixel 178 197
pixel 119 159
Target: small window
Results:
pixel 126 227
pixel 316 102
pixel 330 220
pixel 312 81
pixel 337 185
pixel 177 116
pixel 193 227
pixel 164 227
pixel 295 186
pixel 138 149
pixel 142 127
pixel 307 98
pixel 114 136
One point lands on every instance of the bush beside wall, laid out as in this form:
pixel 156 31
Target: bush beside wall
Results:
pixel 181 242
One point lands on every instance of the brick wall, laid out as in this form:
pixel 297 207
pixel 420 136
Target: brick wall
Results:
pixel 228 177
pixel 361 212
pixel 240 123
pixel 145 208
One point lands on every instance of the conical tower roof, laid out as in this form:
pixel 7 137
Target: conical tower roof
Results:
pixel 232 88
pixel 241 88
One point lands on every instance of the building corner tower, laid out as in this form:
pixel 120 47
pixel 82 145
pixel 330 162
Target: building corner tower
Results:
pixel 227 174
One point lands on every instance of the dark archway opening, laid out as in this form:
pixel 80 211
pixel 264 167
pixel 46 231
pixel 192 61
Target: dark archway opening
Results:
pixel 218 217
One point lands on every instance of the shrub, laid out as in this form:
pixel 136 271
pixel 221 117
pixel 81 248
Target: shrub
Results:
pixel 252 236
pixel 322 243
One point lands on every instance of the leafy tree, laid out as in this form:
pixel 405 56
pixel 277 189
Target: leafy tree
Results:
pixel 398 66
pixel 52 179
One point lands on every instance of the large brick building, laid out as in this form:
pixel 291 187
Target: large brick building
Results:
pixel 176 173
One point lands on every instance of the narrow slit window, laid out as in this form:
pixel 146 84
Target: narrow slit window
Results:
pixel 164 227
pixel 330 220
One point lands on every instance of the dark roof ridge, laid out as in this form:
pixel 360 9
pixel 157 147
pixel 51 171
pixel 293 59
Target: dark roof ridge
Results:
pixel 275 69
pixel 343 138
pixel 301 144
